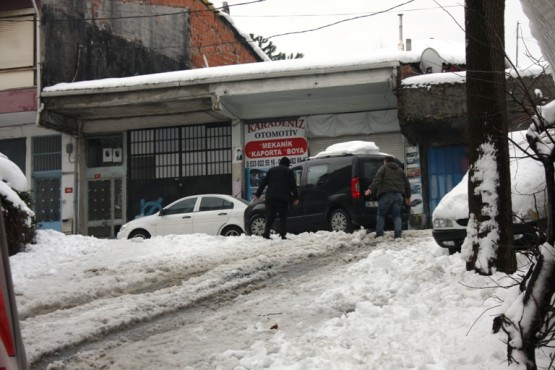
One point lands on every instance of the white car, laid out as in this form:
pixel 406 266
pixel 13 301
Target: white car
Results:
pixel 529 202
pixel 213 214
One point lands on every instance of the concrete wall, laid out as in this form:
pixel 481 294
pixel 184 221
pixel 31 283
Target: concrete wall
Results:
pixel 86 40
pixel 436 113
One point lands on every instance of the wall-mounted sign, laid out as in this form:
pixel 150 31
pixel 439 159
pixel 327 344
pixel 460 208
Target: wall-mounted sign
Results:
pixel 276 148
pixel 412 158
pixel 266 142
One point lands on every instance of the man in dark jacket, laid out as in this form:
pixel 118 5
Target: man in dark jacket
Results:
pixel 391 186
pixel 282 187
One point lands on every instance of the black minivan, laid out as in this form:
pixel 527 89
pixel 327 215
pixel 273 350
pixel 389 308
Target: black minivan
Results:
pixel 331 192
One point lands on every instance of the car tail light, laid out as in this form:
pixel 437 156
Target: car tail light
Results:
pixel 355 187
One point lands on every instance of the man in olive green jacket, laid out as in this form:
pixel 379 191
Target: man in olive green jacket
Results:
pixel 391 186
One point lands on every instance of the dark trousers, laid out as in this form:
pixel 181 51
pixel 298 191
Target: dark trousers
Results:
pixel 273 207
pixel 390 202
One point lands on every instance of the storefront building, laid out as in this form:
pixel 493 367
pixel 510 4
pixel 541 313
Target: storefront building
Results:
pixel 145 141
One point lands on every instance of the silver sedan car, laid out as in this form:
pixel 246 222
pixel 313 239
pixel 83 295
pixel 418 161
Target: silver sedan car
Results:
pixel 213 214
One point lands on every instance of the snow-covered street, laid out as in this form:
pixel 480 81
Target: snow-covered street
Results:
pixel 316 301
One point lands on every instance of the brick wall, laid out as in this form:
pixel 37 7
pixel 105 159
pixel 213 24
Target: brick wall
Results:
pixel 212 37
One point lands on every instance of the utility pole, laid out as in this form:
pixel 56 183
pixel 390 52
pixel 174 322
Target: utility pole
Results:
pixel 400 45
pixel 516 57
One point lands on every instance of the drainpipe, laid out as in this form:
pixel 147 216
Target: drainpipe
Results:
pixel 38 63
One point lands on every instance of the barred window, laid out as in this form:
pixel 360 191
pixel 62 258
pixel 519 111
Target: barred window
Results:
pixel 184 151
pixel 47 153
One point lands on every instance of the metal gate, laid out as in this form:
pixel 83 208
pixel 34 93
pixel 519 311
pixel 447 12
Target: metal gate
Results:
pixel 168 163
pixel 46 174
pixel 446 167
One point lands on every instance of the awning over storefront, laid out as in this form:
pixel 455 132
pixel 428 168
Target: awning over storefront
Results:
pixel 238 92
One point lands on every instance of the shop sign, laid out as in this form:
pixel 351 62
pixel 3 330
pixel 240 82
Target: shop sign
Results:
pixel 267 141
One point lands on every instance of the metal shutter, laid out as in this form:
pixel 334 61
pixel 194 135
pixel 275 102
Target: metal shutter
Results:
pixel 17 65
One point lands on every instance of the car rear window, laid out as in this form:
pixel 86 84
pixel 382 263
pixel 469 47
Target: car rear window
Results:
pixel 368 168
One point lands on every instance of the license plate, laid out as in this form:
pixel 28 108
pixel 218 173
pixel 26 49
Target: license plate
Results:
pixel 371 204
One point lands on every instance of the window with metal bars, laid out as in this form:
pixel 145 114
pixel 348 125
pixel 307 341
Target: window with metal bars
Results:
pixel 17 68
pixel 47 153
pixel 184 151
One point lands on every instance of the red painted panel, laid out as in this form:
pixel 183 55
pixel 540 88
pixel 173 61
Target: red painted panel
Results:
pixel 18 100
pixel 276 148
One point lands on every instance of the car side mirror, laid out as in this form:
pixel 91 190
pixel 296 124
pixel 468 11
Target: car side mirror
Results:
pixel 162 212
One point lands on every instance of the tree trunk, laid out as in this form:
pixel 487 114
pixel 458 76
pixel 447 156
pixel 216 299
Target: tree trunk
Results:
pixel 490 240
pixel 524 321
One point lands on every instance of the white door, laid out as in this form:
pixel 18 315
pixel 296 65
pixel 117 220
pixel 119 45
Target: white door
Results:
pixel 177 218
pixel 213 213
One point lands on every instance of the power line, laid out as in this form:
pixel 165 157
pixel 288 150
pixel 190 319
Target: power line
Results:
pixel 221 8
pixel 341 21
pixel 210 9
pixel 335 14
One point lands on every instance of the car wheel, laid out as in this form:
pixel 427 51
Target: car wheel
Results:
pixel 256 225
pixel 231 231
pixel 142 234
pixel 340 221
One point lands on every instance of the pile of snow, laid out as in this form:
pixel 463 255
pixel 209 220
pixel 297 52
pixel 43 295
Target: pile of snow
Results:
pixel 350 147
pixel 542 18
pixel 12 179
pixel 544 139
pixel 527 186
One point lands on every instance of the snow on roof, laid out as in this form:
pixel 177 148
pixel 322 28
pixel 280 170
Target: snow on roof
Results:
pixel 450 51
pixel 350 147
pixel 376 59
pixel 434 79
pixel 460 77
pixel 531 71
